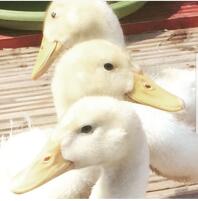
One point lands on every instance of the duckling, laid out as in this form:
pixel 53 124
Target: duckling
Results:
pixel 96 131
pixel 108 72
pixel 70 22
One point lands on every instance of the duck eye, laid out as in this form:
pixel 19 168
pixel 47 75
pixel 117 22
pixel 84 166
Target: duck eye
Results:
pixel 86 129
pixel 108 66
pixel 148 86
pixel 53 14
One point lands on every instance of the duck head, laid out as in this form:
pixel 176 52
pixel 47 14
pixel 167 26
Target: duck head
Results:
pixel 98 68
pixel 69 22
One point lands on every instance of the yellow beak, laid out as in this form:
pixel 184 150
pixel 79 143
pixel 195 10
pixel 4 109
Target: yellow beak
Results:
pixel 48 165
pixel 46 56
pixel 147 92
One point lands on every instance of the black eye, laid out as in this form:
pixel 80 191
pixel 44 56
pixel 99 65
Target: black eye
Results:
pixel 53 14
pixel 86 129
pixel 108 66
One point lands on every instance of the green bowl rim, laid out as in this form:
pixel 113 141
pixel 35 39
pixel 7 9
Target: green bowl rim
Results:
pixel 38 16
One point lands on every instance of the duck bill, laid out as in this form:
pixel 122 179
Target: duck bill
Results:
pixel 147 92
pixel 46 55
pixel 48 165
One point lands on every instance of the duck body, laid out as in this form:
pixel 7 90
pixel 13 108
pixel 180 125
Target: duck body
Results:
pixel 172 144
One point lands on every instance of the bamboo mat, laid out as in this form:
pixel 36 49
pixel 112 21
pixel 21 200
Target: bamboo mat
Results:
pixel 23 101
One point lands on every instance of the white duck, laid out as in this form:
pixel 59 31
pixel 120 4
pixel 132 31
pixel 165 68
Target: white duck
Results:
pixel 108 71
pixel 81 77
pixel 101 132
pixel 70 22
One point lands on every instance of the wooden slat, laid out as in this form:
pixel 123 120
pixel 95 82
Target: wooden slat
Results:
pixel 20 41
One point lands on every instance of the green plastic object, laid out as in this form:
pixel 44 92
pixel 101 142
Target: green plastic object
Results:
pixel 22 15
pixel 29 15
pixel 125 8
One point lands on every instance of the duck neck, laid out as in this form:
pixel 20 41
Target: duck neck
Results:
pixel 124 179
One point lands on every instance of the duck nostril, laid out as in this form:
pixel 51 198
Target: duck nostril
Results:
pixel 46 158
pixel 148 86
